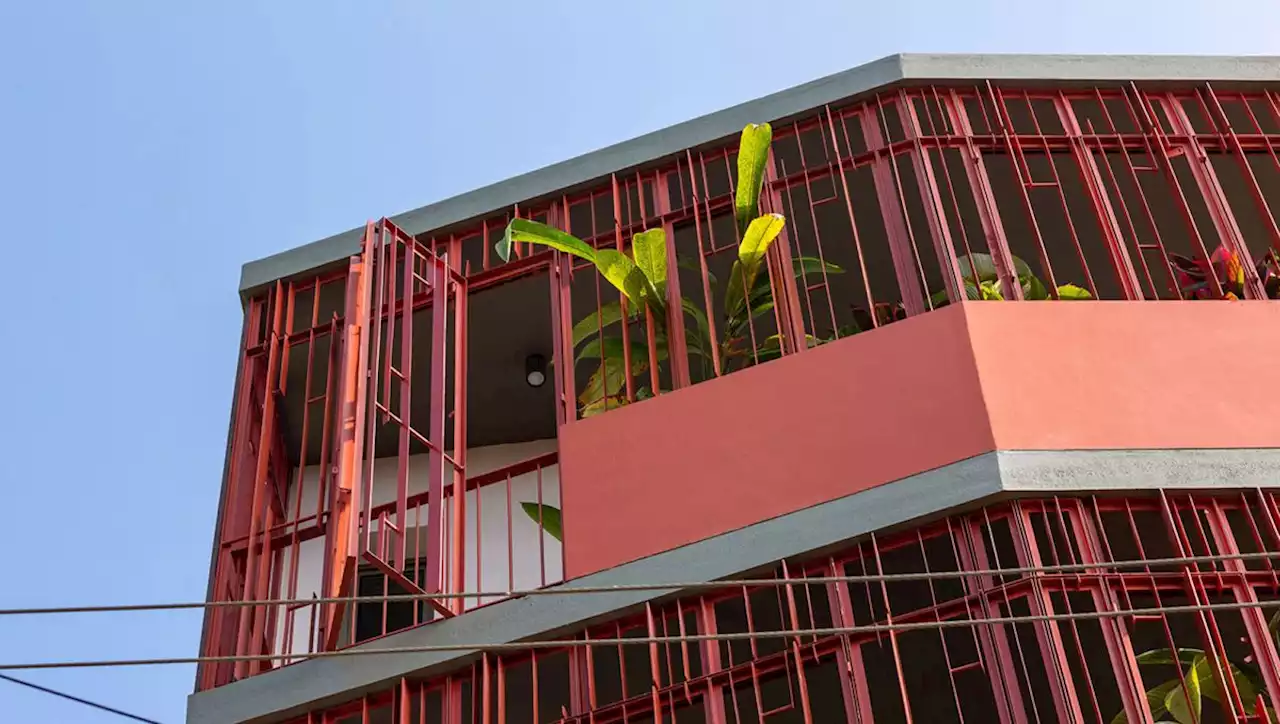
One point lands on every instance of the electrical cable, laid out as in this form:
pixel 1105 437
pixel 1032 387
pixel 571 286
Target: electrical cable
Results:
pixel 658 640
pixel 78 700
pixel 1089 569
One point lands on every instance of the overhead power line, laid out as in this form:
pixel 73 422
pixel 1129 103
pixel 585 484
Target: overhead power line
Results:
pixel 78 700
pixel 662 640
pixel 1078 569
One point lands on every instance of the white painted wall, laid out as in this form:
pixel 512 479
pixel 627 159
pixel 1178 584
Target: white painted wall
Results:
pixel 488 566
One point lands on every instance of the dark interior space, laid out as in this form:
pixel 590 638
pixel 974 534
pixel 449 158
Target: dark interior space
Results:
pixel 506 324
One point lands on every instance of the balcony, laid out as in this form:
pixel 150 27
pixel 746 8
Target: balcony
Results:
pixel 372 390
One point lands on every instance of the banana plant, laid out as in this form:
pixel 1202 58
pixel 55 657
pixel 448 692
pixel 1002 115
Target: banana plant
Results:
pixel 1182 697
pixel 641 278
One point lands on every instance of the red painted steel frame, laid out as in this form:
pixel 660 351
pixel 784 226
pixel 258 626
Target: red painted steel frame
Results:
pixel 1098 187
pixel 1000 562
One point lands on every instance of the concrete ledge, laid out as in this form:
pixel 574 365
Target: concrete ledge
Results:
pixel 1104 470
pixel 316 683
pixel 902 68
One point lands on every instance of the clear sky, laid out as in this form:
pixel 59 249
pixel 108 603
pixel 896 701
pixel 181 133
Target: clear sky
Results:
pixel 148 149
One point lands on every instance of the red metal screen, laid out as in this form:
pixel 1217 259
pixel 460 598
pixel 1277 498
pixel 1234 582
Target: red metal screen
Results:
pixel 1037 610
pixel 325 415
pixel 892 201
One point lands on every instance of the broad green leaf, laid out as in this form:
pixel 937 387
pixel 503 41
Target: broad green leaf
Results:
pixel 1155 702
pixel 1204 670
pixel 810 266
pixel 755 243
pixel 762 291
pixel 603 404
pixel 549 517
pixel 610 377
pixel 601 319
pixel 759 236
pixel 534 232
pixel 697 336
pixel 771 347
pixel 650 250
pixel 1183 702
pixel 612 347
pixel 990 291
pixel 1209 681
pixel 1071 291
pixel 986 267
pixel 625 275
pixel 753 154
pixel 1032 288
pixel 1156 657
pixel 699 316
pixel 696 343
pixel 688 264
pixel 736 325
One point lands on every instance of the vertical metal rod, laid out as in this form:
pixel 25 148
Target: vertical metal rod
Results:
pixel 702 257
pixel 266 437
pixel 893 214
pixel 436 541
pixel 627 374
pixel 931 199
pixel 677 346
pixel 848 205
pixel 1112 236
pixel 459 419
pixel 1048 635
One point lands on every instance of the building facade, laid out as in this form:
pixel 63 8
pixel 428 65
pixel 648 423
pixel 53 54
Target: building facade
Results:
pixel 895 478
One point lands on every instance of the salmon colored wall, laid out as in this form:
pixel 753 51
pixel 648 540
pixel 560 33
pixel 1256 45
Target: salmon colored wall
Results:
pixel 769 440
pixel 1119 375
pixel 916 395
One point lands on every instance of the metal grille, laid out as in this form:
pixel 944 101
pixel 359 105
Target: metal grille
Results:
pixel 893 201
pixel 1066 646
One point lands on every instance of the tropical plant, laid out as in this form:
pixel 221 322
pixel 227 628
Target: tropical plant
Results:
pixel 641 278
pixel 1224 264
pixel 547 516
pixel 981 282
pixel 1182 697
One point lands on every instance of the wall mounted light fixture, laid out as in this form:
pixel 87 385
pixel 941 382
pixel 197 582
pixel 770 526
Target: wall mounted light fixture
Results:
pixel 535 370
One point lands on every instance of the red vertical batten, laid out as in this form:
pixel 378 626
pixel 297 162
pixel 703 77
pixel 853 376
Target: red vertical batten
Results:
pixel 905 265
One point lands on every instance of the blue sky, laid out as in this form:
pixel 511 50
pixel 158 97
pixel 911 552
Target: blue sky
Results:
pixel 148 149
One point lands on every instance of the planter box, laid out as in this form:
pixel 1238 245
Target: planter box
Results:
pixel 910 397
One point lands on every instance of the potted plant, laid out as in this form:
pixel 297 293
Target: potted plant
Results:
pixel 1225 265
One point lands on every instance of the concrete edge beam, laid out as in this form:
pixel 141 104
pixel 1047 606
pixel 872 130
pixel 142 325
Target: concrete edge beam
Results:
pixel 323 682
pixel 908 67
